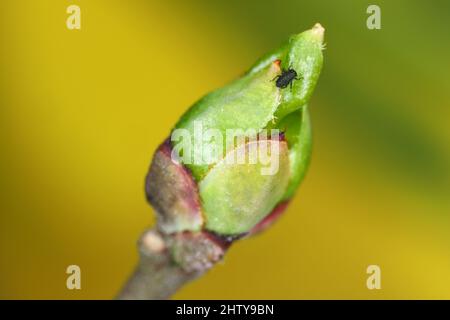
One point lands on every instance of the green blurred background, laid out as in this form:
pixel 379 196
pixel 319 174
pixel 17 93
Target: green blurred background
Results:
pixel 81 113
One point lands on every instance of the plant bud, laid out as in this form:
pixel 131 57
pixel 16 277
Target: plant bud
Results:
pixel 236 157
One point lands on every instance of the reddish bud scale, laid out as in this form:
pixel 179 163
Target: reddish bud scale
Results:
pixel 173 193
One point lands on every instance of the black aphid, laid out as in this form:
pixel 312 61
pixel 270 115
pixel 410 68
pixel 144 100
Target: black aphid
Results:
pixel 286 78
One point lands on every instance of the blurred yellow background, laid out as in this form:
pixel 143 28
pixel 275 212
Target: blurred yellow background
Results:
pixel 81 112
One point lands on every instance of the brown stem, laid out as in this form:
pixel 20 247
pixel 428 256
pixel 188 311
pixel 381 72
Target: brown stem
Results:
pixel 167 262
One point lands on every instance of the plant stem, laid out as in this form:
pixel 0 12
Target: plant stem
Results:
pixel 159 274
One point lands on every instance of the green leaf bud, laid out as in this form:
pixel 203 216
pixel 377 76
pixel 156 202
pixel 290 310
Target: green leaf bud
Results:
pixel 201 187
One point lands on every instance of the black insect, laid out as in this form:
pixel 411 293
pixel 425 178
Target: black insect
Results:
pixel 286 78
